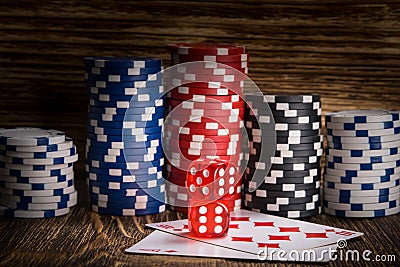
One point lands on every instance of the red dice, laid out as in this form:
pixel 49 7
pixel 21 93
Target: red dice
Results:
pixel 208 220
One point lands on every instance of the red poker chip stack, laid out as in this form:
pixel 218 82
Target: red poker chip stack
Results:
pixel 205 113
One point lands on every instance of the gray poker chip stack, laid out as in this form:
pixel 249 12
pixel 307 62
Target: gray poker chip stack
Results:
pixel 292 186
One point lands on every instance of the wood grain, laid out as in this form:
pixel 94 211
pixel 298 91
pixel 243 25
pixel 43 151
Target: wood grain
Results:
pixel 348 51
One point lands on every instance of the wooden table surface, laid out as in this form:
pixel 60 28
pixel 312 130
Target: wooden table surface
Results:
pixel 348 51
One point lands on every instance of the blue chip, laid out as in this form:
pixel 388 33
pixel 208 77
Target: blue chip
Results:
pixel 28 193
pixel 37 180
pixel 16 213
pixel 123 71
pixel 126 103
pixel 128 212
pixel 123 78
pixel 136 185
pixel 128 192
pixel 152 147
pixel 22 167
pixel 122 62
pixel 147 168
pixel 124 158
pixel 151 93
pixel 124 179
pixel 37 186
pixel 125 124
pixel 115 98
pixel 117 198
pixel 121 85
pixel 127 117
pixel 128 204
pixel 124 138
pixel 126 131
pixel 123 145
pixel 45 148
pixel 156 163
pixel 123 111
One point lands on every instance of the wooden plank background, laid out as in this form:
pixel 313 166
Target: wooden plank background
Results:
pixel 349 51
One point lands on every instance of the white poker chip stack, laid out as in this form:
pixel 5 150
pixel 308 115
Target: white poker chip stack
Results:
pixel 36 174
pixel 362 175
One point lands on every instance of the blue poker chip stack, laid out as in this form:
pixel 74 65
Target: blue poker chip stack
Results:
pixel 292 186
pixel 125 118
pixel 36 174
pixel 362 174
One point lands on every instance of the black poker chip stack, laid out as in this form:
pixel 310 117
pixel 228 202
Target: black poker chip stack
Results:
pixel 292 186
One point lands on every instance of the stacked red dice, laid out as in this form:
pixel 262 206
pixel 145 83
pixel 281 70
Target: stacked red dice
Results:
pixel 210 183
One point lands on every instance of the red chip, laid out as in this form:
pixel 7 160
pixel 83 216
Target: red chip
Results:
pixel 210 113
pixel 204 97
pixel 213 58
pixel 211 68
pixel 189 90
pixel 210 104
pixel 217 49
pixel 195 77
pixel 201 145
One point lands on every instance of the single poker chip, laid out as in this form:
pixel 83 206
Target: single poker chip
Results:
pixel 285 127
pixel 291 194
pixel 204 98
pixel 361 180
pixel 298 133
pixel 362 173
pixel 123 111
pixel 36 173
pixel 124 179
pixel 370 146
pixel 204 119
pixel 284 166
pixel 44 186
pixel 202 137
pixel 30 137
pixel 122 62
pixel 122 78
pixel 134 166
pixel 45 148
pixel 362 126
pixel 119 186
pixel 39 161
pixel 207 113
pixel 201 145
pixel 22 167
pixel 364 186
pixel 124 132
pixel 170 150
pixel 260 201
pixel 291 214
pixel 186 90
pixel 362 153
pixel 193 134
pixel 297 113
pixel 39 206
pixel 40 155
pixel 124 71
pixel 127 205
pixel 119 97
pixel 210 68
pixel 213 58
pixel 287 98
pixel 286 106
pixel 127 192
pixel 236 86
pixel 241 66
pixel 363 140
pixel 290 207
pixel 125 124
pixel 298 120
pixel 124 155
pixel 362 200
pixel 363 166
pixel 137 94
pixel 125 160
pixel 361 207
pixel 218 49
pixel 123 138
pixel 123 172
pixel 209 104
pixel 298 153
pixel 123 145
pixel 268 180
pixel 37 180
pixel 284 186
pixel 359 160
pixel 121 85
pixel 364 133
pixel 127 212
pixel 34 199
pixel 198 77
pixel 363 214
pixel 16 213
pixel 361 193
pixel 288 174
pixel 37 193
pixel 152 148
pixel 309 146
pixel 133 199
pixel 212 124
pixel 363 116
pixel 279 160
pixel 299 140
pixel 126 103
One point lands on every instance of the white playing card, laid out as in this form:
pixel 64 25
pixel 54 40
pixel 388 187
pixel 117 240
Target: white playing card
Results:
pixel 251 232
pixel 162 243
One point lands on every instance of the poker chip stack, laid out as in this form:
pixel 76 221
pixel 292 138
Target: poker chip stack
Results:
pixel 36 174
pixel 125 118
pixel 205 112
pixel 362 174
pixel 292 185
